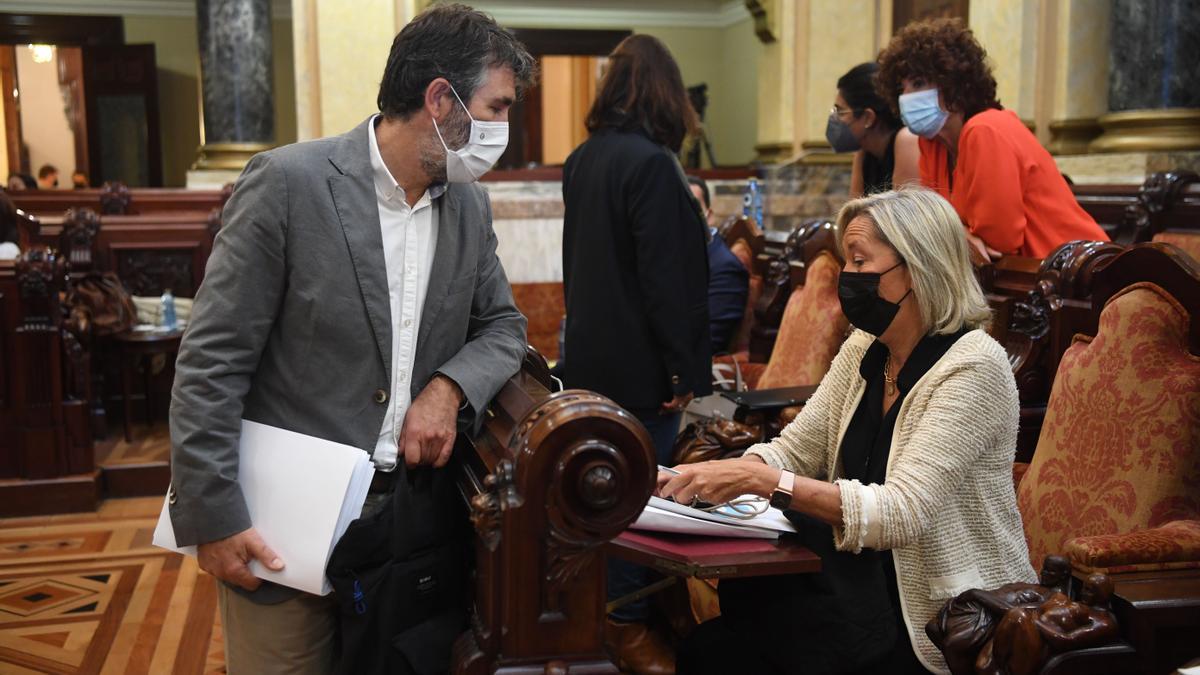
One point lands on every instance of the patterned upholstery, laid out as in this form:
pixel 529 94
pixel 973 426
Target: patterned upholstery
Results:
pixel 1120 447
pixel 741 250
pixel 1189 242
pixel 811 332
pixel 1175 545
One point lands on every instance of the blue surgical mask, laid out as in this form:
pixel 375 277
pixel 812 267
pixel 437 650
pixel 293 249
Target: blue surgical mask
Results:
pixel 922 114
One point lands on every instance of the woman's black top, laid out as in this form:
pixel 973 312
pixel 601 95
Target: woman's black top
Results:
pixel 877 172
pixel 868 441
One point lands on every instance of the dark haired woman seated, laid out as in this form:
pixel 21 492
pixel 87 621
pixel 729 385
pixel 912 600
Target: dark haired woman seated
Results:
pixel 897 472
pixel 862 122
pixel 1004 184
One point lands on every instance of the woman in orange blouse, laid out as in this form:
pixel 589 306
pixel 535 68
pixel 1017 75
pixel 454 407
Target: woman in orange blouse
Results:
pixel 1003 183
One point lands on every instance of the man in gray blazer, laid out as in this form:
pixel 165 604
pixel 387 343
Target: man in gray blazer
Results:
pixel 353 294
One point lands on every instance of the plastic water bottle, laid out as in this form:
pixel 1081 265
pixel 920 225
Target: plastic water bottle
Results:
pixel 168 310
pixel 758 206
pixel 752 203
pixel 748 198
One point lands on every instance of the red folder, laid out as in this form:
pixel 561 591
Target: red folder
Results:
pixel 713 557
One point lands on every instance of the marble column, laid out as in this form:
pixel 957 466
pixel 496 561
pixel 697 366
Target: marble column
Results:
pixel 1154 78
pixel 1079 86
pixel 354 37
pixel 235 70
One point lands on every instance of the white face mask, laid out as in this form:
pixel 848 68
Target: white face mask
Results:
pixel 481 151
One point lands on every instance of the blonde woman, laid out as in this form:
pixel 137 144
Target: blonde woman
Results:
pixel 898 471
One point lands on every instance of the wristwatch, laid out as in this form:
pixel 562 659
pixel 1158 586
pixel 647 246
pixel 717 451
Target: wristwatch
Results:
pixel 781 498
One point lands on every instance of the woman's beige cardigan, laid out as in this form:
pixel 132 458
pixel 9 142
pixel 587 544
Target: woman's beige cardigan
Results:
pixel 948 510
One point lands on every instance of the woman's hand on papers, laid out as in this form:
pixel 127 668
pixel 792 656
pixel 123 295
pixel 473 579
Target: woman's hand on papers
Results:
pixel 228 559
pixel 718 481
pixel 431 423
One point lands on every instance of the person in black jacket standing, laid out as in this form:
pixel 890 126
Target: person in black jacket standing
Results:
pixel 635 275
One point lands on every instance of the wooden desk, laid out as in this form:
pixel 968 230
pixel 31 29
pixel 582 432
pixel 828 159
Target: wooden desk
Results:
pixel 713 557
pixel 1159 614
pixel 132 347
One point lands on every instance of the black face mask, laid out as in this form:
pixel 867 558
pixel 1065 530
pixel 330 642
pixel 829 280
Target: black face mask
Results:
pixel 859 294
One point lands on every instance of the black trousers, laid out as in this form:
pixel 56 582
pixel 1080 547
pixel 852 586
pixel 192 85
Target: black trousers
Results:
pixel 843 619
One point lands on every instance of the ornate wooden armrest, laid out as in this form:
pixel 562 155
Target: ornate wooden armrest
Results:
pixel 1175 545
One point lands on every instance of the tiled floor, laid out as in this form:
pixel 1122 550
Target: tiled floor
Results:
pixel 87 593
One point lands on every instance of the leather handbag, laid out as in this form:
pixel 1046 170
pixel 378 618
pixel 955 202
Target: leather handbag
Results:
pixel 109 306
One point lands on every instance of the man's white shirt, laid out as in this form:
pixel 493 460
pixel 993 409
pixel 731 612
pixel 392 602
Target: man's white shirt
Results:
pixel 409 243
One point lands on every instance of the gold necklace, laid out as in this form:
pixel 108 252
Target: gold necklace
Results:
pixel 891 381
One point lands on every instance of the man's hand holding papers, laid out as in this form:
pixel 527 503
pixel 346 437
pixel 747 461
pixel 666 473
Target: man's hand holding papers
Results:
pixel 229 559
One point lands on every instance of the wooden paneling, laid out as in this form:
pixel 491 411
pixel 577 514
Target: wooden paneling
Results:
pixel 906 11
pixel 61 29
pixel 8 323
pixel 149 253
pixel 142 202
pixel 544 307
pixel 12 112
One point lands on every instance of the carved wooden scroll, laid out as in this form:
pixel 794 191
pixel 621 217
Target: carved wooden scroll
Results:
pixel 549 480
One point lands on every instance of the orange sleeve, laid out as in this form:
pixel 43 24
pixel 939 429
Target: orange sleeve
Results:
pixel 933 167
pixel 987 189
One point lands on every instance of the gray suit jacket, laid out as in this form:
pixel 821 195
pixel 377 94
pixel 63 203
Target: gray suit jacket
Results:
pixel 292 325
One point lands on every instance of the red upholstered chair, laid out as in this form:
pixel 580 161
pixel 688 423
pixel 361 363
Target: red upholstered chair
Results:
pixel 1115 480
pixel 1167 210
pixel 746 242
pixel 812 329
pixel 1186 241
pixel 1039 306
pixel 810 334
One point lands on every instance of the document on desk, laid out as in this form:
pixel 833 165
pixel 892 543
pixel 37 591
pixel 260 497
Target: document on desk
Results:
pixel 665 515
pixel 302 493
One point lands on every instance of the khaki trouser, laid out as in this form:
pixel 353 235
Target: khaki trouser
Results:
pixel 295 636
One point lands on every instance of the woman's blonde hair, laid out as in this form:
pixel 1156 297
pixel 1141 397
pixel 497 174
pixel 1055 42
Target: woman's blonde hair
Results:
pixel 926 233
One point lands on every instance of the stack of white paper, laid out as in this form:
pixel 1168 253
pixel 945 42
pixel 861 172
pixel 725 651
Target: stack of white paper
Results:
pixel 664 515
pixel 302 493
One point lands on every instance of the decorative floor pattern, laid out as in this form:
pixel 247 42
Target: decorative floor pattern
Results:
pixel 150 445
pixel 89 594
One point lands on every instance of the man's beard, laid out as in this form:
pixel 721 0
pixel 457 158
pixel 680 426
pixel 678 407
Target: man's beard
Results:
pixel 456 130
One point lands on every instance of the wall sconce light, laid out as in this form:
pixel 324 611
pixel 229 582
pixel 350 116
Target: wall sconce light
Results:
pixel 42 53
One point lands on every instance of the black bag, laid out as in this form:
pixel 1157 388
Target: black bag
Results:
pixel 400 577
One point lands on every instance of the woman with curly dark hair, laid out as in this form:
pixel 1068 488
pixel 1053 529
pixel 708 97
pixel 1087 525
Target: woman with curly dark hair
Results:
pixel 1003 183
